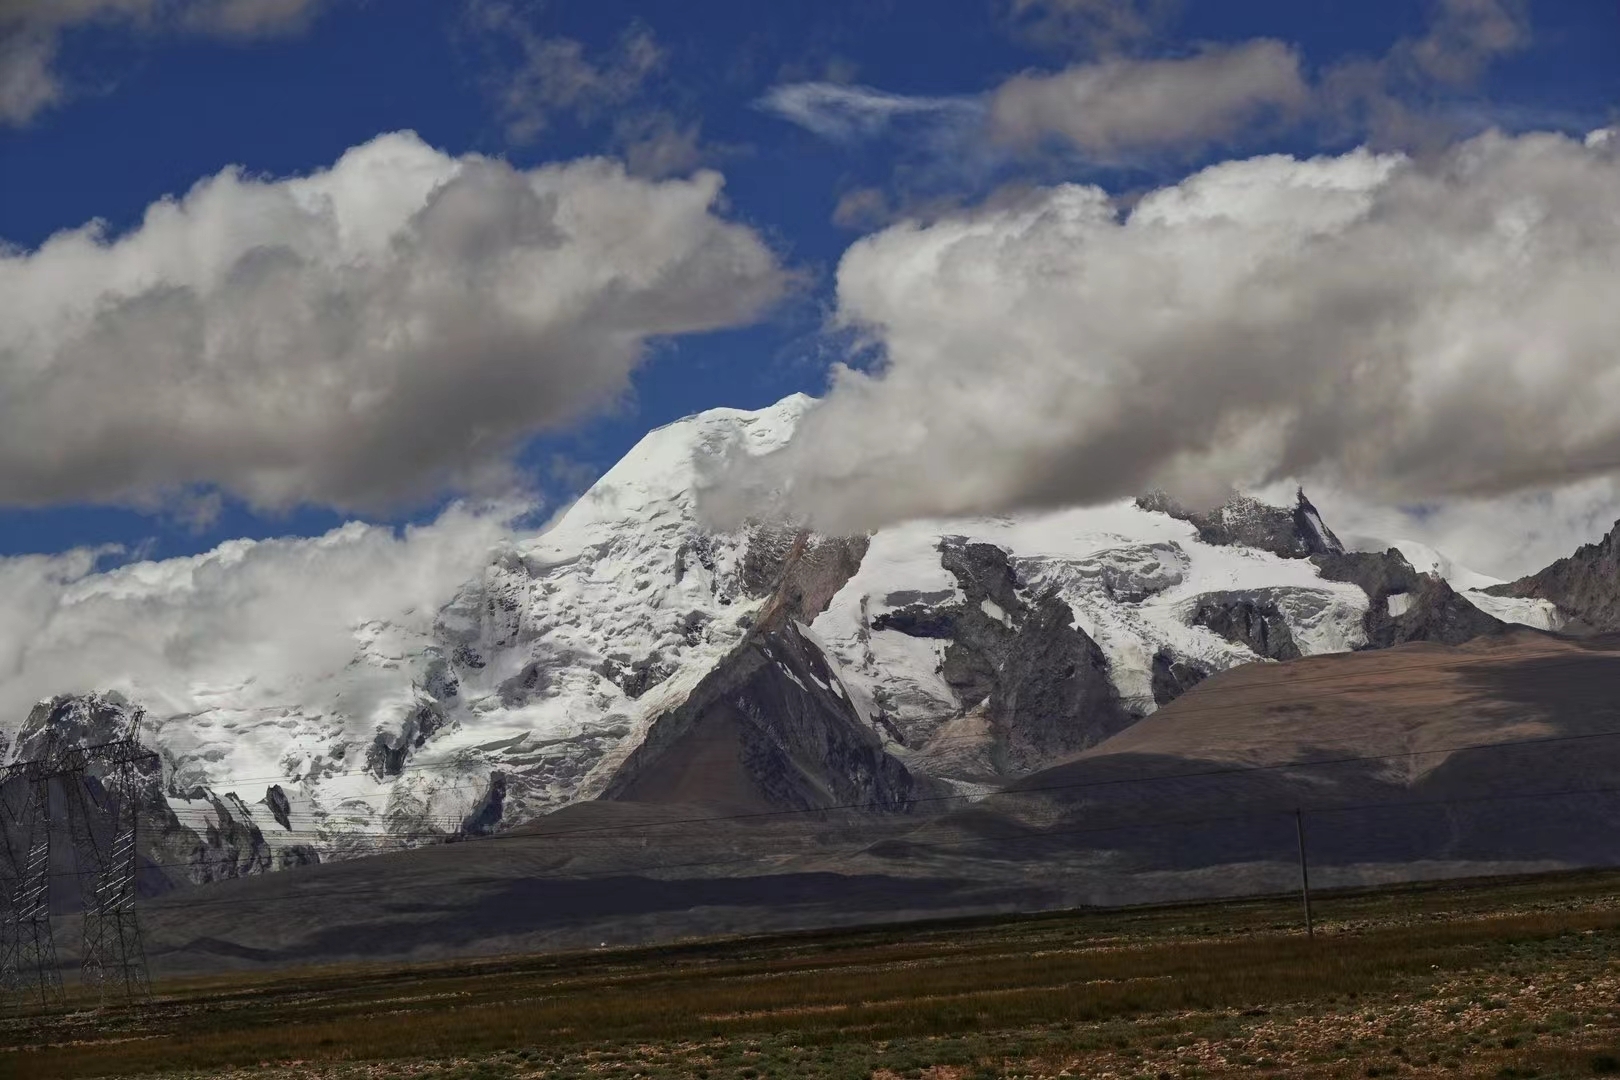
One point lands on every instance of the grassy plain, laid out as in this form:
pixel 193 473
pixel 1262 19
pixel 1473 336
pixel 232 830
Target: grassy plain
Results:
pixel 1497 979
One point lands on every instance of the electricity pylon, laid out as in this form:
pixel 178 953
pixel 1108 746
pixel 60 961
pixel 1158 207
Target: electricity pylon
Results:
pixel 28 970
pixel 114 959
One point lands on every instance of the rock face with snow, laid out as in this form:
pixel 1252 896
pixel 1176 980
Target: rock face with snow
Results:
pixel 1251 620
pixel 631 652
pixel 1295 532
pixel 215 839
pixel 1585 586
pixel 1018 660
pixel 1405 605
pixel 983 648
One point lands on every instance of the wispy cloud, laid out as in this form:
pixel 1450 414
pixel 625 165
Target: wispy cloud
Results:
pixel 848 114
pixel 1100 27
pixel 534 77
pixel 31 33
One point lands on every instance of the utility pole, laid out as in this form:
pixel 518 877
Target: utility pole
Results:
pixel 1304 873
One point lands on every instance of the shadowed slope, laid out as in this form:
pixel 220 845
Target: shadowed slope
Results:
pixel 1504 751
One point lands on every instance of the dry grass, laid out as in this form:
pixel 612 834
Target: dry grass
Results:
pixel 1513 979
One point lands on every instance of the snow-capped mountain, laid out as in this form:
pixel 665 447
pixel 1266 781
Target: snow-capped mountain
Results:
pixel 1582 589
pixel 1482 590
pixel 628 651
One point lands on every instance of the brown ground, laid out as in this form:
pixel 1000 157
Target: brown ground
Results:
pixel 1494 979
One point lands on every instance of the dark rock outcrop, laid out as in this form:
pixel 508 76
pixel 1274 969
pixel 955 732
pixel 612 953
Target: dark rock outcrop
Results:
pixel 636 677
pixel 1585 585
pixel 1424 607
pixel 1296 532
pixel 485 816
pixel 530 680
pixel 1404 605
pixel 387 753
pixel 918 620
pixel 1053 696
pixel 1251 621
pixel 280 807
pixel 1172 678
pixel 1434 612
pixel 440 680
pixel 233 845
pixel 225 844
pixel 1379 573
pixel 805 570
pixel 980 643
pixel 1041 682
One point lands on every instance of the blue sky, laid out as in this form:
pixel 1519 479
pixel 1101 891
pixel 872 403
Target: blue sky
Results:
pixel 146 110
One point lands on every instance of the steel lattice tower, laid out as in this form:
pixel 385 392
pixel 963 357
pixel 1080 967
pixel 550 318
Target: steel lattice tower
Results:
pixel 114 957
pixel 27 953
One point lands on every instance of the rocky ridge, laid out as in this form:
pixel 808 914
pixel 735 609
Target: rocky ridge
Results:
pixel 1584 586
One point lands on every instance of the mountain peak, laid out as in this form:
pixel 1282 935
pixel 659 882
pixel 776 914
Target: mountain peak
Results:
pixel 1585 586
pixel 73 720
pixel 1244 521
pixel 661 473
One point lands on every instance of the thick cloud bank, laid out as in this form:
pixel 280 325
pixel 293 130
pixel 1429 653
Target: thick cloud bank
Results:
pixel 387 327
pixel 257 621
pixel 1403 330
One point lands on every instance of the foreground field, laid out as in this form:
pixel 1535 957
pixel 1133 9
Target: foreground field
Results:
pixel 1499 979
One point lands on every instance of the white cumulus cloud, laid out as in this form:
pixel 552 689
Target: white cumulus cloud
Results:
pixel 374 332
pixel 1406 329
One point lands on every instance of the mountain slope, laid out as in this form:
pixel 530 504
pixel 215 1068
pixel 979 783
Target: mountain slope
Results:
pixel 925 628
pixel 1196 800
pixel 1585 585
pixel 768 729
pixel 1503 748
pixel 630 652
